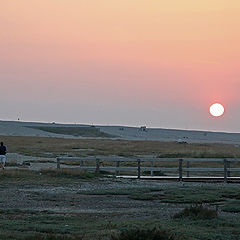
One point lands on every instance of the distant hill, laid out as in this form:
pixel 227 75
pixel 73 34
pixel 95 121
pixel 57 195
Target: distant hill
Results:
pixel 17 128
pixel 76 131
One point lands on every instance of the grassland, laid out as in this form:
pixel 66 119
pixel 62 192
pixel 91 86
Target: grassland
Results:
pixel 74 205
pixel 55 147
pixel 43 146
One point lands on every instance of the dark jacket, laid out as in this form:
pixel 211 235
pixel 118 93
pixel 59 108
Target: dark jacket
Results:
pixel 3 150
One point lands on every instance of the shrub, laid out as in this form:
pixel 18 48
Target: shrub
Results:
pixel 137 234
pixel 197 212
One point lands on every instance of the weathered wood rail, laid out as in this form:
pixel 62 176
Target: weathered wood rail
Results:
pixel 98 165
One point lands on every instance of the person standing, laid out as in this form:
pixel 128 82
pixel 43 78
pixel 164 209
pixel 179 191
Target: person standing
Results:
pixel 3 151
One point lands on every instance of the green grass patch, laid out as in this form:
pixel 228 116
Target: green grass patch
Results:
pixel 92 227
pixel 148 193
pixel 197 194
pixel 26 224
pixel 232 206
pixel 120 191
pixel 70 173
pixel 17 174
pixel 46 177
pixel 23 212
pixel 188 194
pixel 12 164
pixel 143 196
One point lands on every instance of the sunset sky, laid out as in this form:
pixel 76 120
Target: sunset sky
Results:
pixel 121 62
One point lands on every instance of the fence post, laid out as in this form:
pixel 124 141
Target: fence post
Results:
pixel 229 170
pixel 58 163
pixel 180 169
pixel 117 168
pixel 97 165
pixel 225 169
pixel 151 169
pixel 139 168
pixel 188 164
pixel 81 164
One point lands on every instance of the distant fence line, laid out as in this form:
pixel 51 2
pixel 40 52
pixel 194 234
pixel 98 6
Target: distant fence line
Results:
pixel 226 168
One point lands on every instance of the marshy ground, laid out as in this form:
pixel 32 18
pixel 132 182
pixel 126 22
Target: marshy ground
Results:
pixel 78 204
pixel 72 204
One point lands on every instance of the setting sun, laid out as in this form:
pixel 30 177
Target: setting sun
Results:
pixel 216 110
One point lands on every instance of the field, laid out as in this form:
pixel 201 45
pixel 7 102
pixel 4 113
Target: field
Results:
pixel 47 149
pixel 68 204
pixel 73 204
pixel 53 147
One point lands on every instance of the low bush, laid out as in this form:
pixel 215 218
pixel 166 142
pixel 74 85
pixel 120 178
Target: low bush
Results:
pixel 197 212
pixel 138 234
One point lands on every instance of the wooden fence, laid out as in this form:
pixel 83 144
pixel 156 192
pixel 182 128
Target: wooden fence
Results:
pixel 183 165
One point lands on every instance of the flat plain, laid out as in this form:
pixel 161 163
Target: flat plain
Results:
pixel 69 203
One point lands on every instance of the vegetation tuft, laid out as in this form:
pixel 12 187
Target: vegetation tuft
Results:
pixel 197 212
pixel 138 234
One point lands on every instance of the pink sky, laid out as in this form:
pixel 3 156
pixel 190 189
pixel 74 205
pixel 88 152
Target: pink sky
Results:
pixel 131 62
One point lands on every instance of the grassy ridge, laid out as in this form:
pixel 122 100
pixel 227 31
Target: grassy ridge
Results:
pixel 76 131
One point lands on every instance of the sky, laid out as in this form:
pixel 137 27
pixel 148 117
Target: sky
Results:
pixel 121 62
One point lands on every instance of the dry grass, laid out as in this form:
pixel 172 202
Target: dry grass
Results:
pixel 52 147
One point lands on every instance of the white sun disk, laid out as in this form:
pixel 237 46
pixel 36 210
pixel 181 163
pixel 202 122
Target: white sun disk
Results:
pixel 216 109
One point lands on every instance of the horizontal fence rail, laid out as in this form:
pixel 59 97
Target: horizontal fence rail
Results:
pixel 98 165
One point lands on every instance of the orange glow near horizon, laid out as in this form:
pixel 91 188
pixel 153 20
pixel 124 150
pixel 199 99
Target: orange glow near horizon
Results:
pixel 135 53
